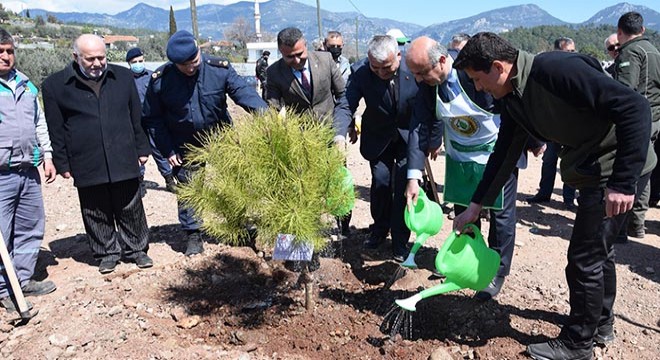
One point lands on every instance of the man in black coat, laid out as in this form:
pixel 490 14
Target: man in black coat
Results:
pixel 93 113
pixel 388 89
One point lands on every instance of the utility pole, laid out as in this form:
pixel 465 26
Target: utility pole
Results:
pixel 193 18
pixel 318 17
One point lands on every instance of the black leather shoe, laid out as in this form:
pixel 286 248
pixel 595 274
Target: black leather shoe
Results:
pixel 398 258
pixel 537 199
pixel 38 288
pixel 604 334
pixel 491 290
pixel 636 232
pixel 373 242
pixel 556 349
pixel 195 244
pixel 143 261
pixel 170 183
pixel 107 266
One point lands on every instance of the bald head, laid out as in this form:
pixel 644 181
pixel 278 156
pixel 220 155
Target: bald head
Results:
pixel 428 60
pixel 89 53
pixel 612 46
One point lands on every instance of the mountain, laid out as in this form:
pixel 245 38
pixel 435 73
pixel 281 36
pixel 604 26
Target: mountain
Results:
pixel 497 21
pixel 610 15
pixel 278 14
pixel 213 19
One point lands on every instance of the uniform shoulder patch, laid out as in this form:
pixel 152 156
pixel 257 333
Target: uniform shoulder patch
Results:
pixel 217 62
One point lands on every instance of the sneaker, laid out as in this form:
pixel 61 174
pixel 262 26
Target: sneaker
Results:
pixel 107 266
pixel 170 183
pixel 38 288
pixel 555 349
pixel 398 258
pixel 604 334
pixel 143 261
pixel 195 244
pixel 9 305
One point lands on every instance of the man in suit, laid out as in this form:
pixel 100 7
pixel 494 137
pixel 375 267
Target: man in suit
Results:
pixel 388 89
pixel 310 82
pixel 93 114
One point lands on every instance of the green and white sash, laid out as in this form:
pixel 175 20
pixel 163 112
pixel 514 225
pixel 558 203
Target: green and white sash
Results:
pixel 470 135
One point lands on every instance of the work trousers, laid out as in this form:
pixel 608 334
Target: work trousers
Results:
pixel 591 273
pixel 387 195
pixel 114 219
pixel 22 221
pixel 502 230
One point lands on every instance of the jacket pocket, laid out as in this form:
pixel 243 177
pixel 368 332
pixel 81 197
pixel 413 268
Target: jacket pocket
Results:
pixel 6 151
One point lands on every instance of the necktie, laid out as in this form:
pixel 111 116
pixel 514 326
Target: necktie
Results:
pixel 393 91
pixel 305 82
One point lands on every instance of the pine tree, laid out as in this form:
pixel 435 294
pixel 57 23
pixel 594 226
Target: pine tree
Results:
pixel 27 13
pixel 172 22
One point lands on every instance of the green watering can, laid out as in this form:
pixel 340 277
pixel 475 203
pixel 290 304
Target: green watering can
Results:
pixel 425 220
pixel 466 262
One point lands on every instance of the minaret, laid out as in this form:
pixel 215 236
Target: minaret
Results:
pixel 257 20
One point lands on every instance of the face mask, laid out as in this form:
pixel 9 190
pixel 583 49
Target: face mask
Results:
pixel 335 51
pixel 137 68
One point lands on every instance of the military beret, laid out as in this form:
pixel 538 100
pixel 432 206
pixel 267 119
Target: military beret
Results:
pixel 133 53
pixel 181 47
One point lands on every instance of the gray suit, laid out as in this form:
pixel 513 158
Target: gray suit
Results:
pixel 328 90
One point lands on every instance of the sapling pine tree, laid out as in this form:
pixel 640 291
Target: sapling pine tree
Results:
pixel 278 174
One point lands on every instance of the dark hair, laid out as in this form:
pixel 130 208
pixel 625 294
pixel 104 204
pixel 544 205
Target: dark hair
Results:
pixel 482 49
pixel 631 23
pixel 6 38
pixel 561 41
pixel 289 36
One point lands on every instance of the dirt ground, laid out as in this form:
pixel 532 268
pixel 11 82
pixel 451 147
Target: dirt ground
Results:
pixel 237 303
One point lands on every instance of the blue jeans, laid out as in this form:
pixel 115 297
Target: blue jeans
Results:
pixel 548 173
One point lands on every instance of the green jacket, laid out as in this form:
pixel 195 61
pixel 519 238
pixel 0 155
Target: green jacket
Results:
pixel 567 98
pixel 638 66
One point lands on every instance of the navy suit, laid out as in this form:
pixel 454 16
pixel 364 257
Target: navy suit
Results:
pixel 385 124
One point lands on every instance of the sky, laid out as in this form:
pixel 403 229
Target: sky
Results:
pixel 429 11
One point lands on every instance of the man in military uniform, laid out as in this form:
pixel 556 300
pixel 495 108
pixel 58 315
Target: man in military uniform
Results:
pixel 260 70
pixel 187 96
pixel 142 76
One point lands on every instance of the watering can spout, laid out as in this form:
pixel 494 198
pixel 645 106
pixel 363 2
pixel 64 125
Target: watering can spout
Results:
pixel 411 302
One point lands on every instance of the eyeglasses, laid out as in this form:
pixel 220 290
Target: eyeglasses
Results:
pixel 334 46
pixel 612 47
pixel 8 51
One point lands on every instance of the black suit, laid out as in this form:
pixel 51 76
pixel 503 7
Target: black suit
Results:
pixel 385 124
